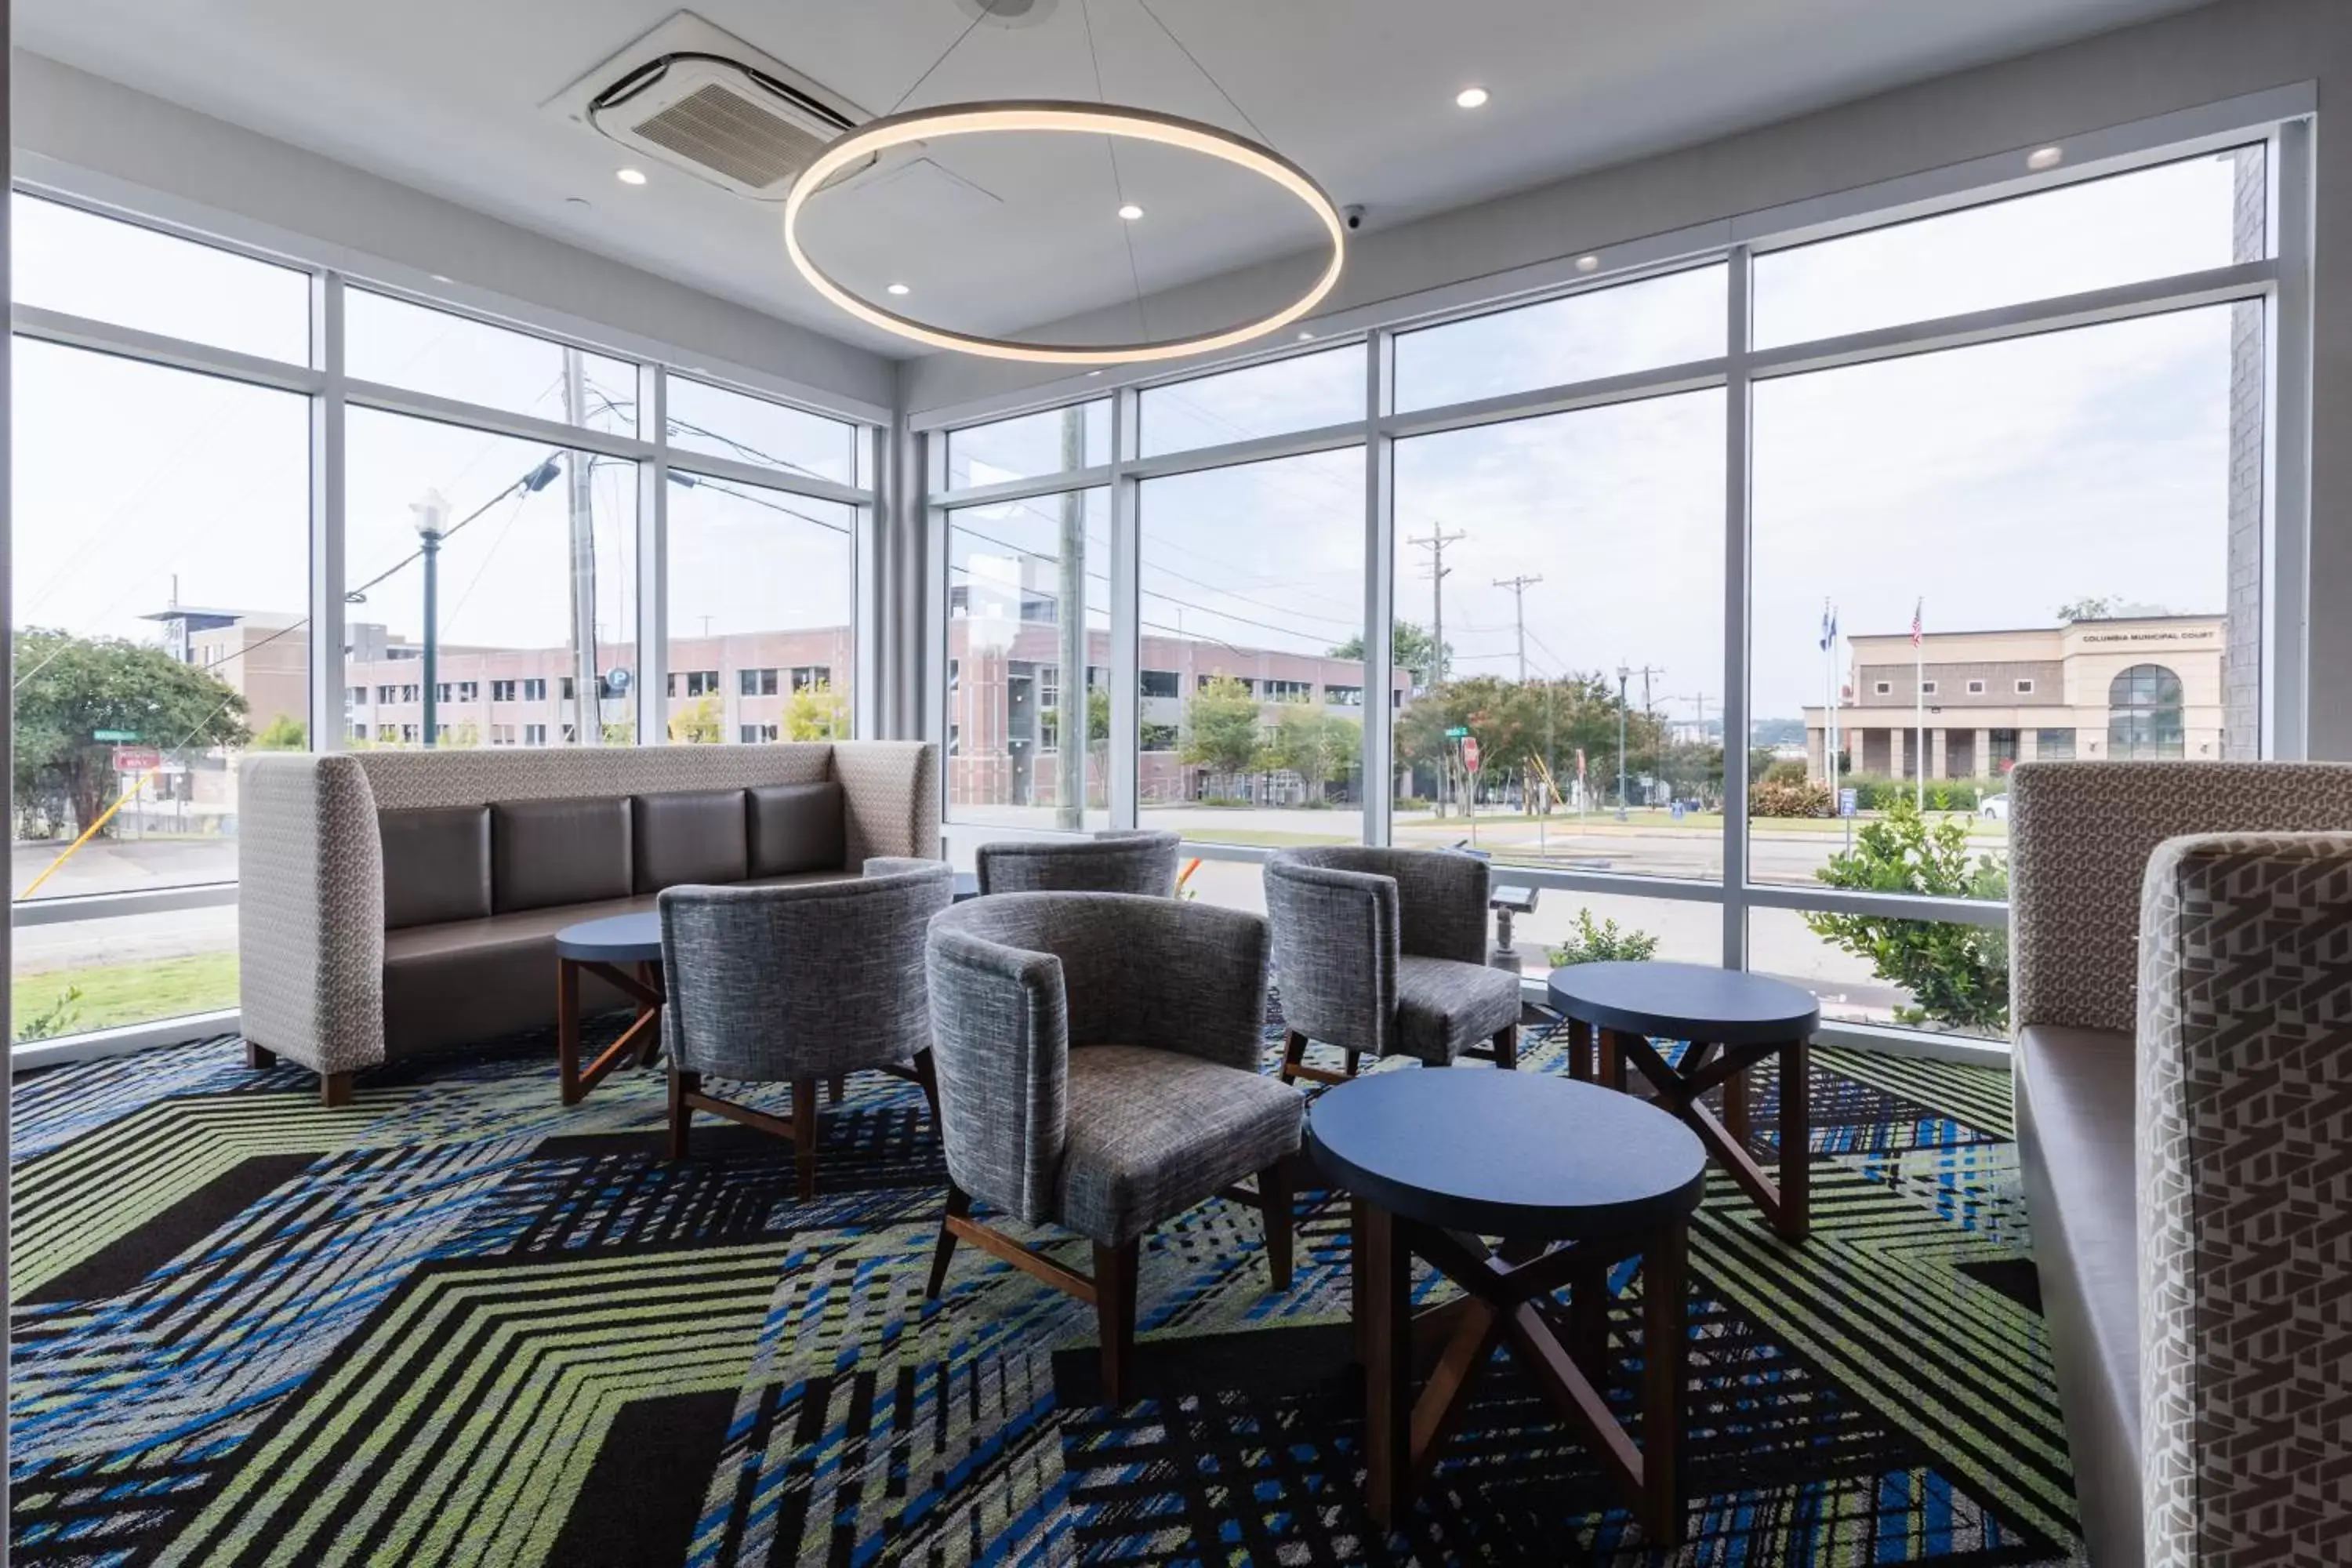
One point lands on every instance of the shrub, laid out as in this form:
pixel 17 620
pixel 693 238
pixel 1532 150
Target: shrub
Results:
pixel 1957 973
pixel 1786 770
pixel 1228 802
pixel 1769 799
pixel 1602 942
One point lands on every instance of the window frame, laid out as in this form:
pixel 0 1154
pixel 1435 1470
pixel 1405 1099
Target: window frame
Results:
pixel 2278 123
pixel 331 273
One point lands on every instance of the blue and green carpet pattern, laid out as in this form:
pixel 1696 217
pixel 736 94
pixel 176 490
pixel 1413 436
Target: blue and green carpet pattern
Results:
pixel 457 1323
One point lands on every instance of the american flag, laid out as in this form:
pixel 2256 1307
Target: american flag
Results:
pixel 1916 612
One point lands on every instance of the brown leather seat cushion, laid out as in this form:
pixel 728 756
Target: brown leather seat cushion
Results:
pixel 797 827
pixel 689 836
pixel 436 865
pixel 2076 1097
pixel 467 981
pixel 546 853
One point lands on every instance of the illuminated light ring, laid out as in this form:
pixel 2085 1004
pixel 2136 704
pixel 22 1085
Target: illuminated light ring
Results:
pixel 1081 119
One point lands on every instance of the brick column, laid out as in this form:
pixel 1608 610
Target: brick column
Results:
pixel 1898 745
pixel 1936 757
pixel 1983 751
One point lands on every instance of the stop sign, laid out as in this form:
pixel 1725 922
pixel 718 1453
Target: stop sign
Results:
pixel 1470 753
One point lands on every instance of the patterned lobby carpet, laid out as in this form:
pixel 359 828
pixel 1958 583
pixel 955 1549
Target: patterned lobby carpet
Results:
pixel 459 1324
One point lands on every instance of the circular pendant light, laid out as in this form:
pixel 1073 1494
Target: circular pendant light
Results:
pixel 1058 117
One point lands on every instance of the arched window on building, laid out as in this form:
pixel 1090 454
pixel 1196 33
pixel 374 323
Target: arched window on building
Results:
pixel 2144 716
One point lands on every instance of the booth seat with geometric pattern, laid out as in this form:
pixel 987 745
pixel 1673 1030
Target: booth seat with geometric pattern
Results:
pixel 397 902
pixel 2181 997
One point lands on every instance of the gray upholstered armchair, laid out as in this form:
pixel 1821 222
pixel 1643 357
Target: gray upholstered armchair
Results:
pixel 791 985
pixel 1097 1064
pixel 1119 861
pixel 1383 952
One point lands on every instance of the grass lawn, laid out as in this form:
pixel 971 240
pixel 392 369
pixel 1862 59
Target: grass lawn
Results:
pixel 130 993
pixel 1605 821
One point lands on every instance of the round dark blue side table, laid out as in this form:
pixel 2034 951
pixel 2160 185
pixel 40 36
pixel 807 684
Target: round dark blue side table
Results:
pixel 602 947
pixel 1734 1022
pixel 1572 1178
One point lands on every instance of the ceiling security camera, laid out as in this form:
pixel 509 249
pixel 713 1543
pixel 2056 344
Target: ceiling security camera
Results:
pixel 1354 215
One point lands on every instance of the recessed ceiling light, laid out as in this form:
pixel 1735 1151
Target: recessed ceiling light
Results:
pixel 1130 212
pixel 898 288
pixel 2045 157
pixel 1303 337
pixel 1588 264
pixel 630 176
pixel 1471 98
pixel 1094 373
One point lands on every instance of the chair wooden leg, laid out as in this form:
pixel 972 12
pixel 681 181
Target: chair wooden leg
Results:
pixel 1353 1059
pixel 836 1086
pixel 926 1078
pixel 260 1058
pixel 1293 1051
pixel 335 1089
pixel 1116 1268
pixel 804 1135
pixel 959 1205
pixel 1273 1198
pixel 681 1115
pixel 1506 1049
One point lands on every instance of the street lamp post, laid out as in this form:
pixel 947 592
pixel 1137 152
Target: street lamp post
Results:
pixel 1624 674
pixel 432 522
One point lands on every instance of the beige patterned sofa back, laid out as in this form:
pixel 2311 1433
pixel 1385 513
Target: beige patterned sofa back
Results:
pixel 2080 838
pixel 310 859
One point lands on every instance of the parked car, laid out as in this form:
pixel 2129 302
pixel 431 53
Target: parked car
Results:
pixel 1995 806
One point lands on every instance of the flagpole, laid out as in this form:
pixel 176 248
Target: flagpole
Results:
pixel 1920 697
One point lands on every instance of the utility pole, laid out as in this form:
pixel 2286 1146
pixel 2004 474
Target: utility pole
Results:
pixel 1648 715
pixel 1070 621
pixel 1435 543
pixel 587 711
pixel 1519 587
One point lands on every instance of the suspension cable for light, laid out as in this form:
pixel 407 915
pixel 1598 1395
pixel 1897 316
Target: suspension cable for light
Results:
pixel 1066 117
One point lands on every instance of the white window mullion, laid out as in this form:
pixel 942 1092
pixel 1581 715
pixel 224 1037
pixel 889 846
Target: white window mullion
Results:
pixel 1126 615
pixel 327 532
pixel 1738 490
pixel 653 559
pixel 1379 772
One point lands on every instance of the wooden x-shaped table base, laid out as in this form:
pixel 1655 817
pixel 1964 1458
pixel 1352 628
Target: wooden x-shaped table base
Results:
pixel 641 1039
pixel 1508 1300
pixel 1705 1067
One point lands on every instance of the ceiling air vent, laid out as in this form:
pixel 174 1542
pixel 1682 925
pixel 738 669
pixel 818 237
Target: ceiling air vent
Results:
pixel 698 99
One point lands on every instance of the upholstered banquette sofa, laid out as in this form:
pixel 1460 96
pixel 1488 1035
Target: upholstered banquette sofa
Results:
pixel 2181 997
pixel 399 902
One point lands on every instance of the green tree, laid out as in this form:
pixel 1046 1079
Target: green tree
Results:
pixel 69 687
pixel 1098 713
pixel 1410 647
pixel 1221 728
pixel 816 712
pixel 284 733
pixel 697 725
pixel 1957 973
pixel 2090 607
pixel 1316 745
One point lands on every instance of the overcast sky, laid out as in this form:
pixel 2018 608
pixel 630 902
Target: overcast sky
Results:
pixel 1996 483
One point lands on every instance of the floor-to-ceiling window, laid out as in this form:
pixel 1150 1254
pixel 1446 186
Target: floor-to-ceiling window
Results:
pixel 1714 602
pixel 175 401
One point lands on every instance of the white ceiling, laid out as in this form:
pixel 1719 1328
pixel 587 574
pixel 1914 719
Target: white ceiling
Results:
pixel 446 95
